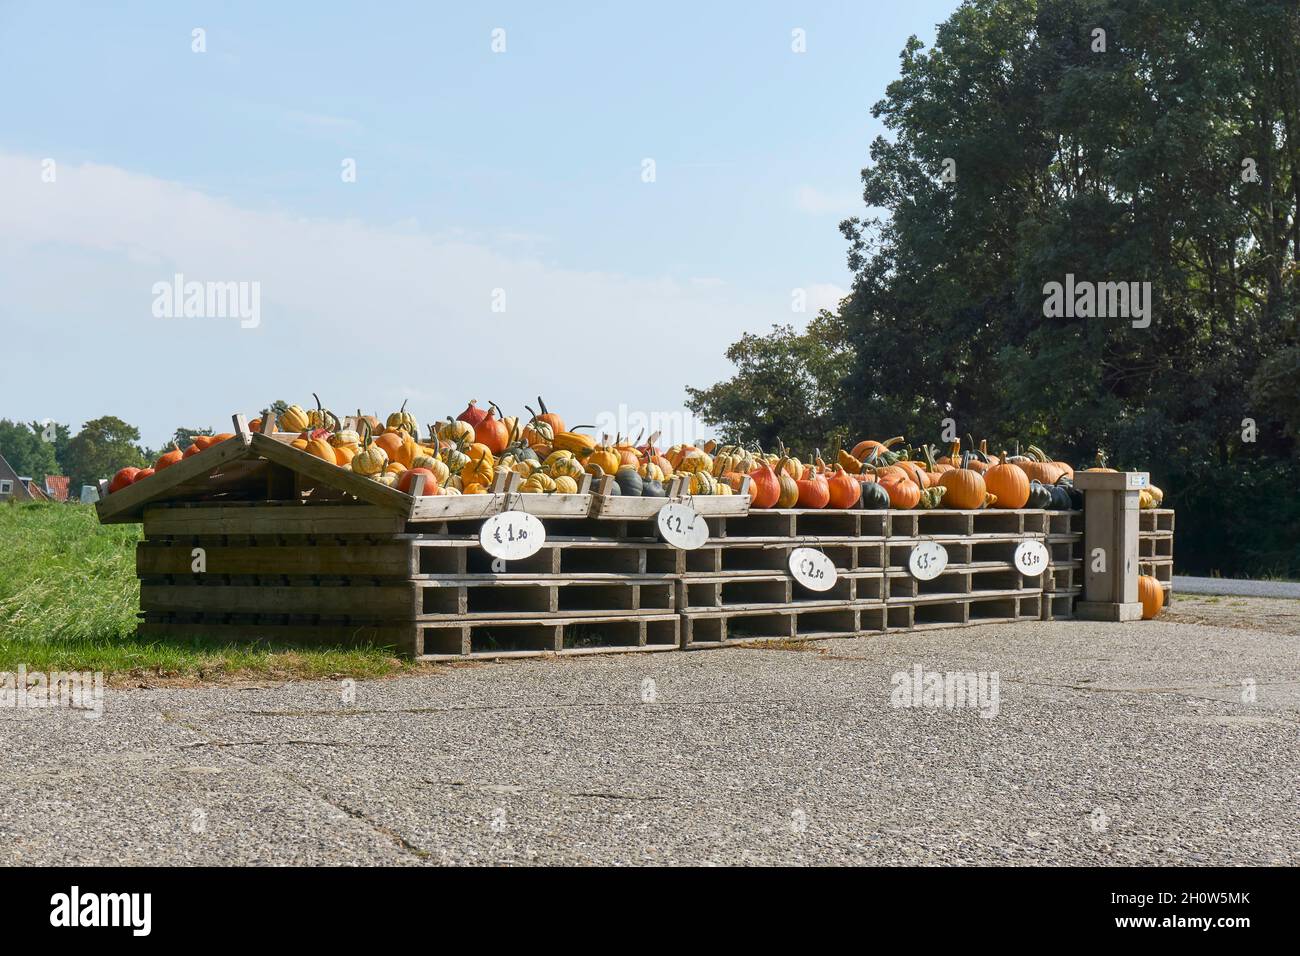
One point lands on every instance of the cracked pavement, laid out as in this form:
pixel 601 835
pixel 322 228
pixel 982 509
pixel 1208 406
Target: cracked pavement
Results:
pixel 1113 744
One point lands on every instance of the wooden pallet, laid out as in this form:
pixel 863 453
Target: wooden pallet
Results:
pixel 702 629
pixel 559 636
pixel 757 592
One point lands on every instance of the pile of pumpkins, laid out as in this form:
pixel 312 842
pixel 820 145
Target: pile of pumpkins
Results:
pixel 129 476
pixel 879 475
pixel 463 455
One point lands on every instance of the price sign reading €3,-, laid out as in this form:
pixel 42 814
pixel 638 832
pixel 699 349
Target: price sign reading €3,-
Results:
pixel 927 560
pixel 512 535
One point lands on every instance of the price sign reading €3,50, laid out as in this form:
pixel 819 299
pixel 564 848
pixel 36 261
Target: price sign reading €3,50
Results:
pixel 512 535
pixel 927 560
pixel 681 527
pixel 1031 558
pixel 813 569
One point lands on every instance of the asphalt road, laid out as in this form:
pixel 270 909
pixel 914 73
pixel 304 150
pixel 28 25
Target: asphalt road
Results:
pixel 1235 586
pixel 1112 744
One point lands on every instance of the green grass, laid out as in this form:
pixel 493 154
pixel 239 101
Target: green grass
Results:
pixel 69 597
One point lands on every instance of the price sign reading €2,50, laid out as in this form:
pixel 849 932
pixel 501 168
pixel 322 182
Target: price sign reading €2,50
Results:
pixel 813 569
pixel 681 527
pixel 1031 558
pixel 927 560
pixel 512 535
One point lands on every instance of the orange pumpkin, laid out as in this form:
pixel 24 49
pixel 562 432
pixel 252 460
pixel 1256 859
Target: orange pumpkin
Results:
pixel 844 491
pixel 1151 594
pixel 764 488
pixel 320 448
pixel 814 490
pixel 343 454
pixel 406 480
pixel 1009 483
pixel 904 493
pixel 863 448
pixel 167 459
pixel 492 431
pixel 142 474
pixel 966 488
pixel 124 477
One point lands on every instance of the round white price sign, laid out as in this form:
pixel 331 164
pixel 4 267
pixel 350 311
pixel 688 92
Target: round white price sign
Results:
pixel 512 535
pixel 681 527
pixel 927 561
pixel 813 569
pixel 1031 558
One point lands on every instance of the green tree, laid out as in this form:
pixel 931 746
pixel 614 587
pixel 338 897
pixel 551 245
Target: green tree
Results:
pixel 103 446
pixel 1021 152
pixel 26 451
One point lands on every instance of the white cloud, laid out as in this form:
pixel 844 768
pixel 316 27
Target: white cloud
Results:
pixel 359 313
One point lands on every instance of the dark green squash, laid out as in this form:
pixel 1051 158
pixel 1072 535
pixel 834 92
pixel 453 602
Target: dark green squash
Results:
pixel 874 497
pixel 653 489
pixel 629 482
pixel 1060 498
pixel 1040 496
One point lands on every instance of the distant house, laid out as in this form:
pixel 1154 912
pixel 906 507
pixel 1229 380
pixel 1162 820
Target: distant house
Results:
pixel 56 487
pixel 12 487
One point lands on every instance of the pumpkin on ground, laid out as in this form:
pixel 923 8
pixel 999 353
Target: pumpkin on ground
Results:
pixel 1152 596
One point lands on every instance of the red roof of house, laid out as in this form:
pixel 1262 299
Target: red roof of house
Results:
pixel 57 486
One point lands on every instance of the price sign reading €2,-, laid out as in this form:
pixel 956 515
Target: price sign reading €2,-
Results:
pixel 512 535
pixel 681 527
pixel 813 569
pixel 927 560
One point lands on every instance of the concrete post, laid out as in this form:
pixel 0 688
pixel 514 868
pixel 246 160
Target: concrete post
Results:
pixel 1110 544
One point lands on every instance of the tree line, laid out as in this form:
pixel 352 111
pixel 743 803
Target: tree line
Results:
pixel 1049 144
pixel 102 446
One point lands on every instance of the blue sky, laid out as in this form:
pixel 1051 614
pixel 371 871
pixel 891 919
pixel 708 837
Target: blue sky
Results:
pixel 475 171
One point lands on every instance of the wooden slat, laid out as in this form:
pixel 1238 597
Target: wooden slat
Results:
pixel 365 602
pixel 127 504
pixel 393 559
pixel 312 467
pixel 270 518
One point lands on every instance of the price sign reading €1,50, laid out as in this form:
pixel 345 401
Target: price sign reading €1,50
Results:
pixel 512 535
pixel 1031 558
pixel 681 527
pixel 813 569
pixel 927 560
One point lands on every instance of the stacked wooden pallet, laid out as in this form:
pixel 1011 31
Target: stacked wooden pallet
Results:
pixel 259 540
pixel 1156 546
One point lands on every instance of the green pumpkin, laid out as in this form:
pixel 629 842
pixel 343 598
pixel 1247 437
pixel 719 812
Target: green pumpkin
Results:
pixel 653 489
pixel 1040 496
pixel 1060 498
pixel 629 482
pixel 874 497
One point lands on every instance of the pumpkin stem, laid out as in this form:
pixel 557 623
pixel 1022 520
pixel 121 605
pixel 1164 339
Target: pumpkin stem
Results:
pixel 542 405
pixel 891 442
